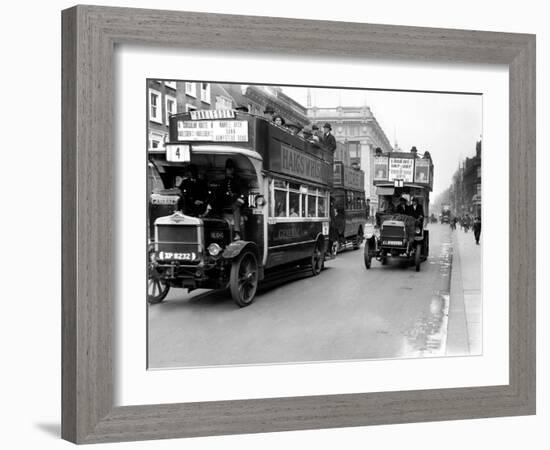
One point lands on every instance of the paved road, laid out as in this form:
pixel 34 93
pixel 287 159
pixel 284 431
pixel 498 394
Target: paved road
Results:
pixel 344 313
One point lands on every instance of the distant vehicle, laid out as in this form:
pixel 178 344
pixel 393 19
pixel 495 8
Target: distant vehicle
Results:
pixel 400 236
pixel 445 216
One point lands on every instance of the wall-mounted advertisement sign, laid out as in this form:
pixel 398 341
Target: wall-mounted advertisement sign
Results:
pixel 381 168
pixel 422 171
pixel 401 169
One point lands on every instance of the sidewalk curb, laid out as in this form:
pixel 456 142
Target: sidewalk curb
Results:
pixel 457 329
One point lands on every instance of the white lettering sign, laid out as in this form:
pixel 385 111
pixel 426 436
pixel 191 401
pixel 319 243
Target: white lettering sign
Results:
pixel 213 130
pixel 401 169
pixel 178 153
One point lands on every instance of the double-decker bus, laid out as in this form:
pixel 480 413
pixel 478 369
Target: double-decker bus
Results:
pixel 348 200
pixel 284 216
pixel 401 178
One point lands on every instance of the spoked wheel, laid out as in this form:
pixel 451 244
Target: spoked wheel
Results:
pixel 366 255
pixel 317 258
pixel 417 256
pixel 157 289
pixel 243 280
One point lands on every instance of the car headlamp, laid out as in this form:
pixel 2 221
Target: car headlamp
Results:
pixel 214 249
pixel 417 230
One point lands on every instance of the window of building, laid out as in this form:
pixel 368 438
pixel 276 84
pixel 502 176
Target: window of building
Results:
pixel 189 107
pixel 191 89
pixel 170 107
pixel 170 84
pixel 155 108
pixel 205 92
pixel 354 149
pixel 156 141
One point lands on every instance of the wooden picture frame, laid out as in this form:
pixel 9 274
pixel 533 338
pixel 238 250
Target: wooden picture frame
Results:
pixel 90 34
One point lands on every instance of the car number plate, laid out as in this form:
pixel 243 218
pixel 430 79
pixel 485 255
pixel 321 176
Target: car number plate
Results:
pixel 392 243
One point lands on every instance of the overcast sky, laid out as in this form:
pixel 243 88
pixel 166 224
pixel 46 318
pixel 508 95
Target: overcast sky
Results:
pixel 448 125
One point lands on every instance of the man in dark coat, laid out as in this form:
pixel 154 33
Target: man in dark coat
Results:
pixel 328 139
pixel 402 207
pixel 194 193
pixel 477 228
pixel 416 210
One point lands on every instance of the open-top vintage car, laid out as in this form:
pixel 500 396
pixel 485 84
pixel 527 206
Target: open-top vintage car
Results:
pixel 398 236
pixel 284 218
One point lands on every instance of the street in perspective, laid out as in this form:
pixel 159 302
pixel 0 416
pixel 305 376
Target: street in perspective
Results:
pixel 285 227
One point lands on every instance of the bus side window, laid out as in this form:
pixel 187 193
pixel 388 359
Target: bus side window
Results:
pixel 280 203
pixel 311 205
pixel 322 204
pixel 294 204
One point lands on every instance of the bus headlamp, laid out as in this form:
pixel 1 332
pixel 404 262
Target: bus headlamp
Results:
pixel 260 201
pixel 214 249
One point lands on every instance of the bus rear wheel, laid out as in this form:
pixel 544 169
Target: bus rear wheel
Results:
pixel 243 279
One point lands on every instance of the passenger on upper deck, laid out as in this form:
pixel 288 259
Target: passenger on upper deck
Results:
pixel 328 139
pixel 278 120
pixel 317 135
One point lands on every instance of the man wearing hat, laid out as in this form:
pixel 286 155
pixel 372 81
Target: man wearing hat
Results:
pixel 268 112
pixel 230 195
pixel 328 139
pixel 402 207
pixel 194 193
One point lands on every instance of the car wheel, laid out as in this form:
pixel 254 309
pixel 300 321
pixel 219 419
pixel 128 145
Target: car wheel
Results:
pixel 367 258
pixel 243 279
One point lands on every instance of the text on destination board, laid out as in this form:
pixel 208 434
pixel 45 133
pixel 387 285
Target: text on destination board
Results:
pixel 301 164
pixel 213 130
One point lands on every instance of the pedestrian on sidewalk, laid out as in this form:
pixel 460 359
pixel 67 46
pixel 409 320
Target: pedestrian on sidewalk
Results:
pixel 477 228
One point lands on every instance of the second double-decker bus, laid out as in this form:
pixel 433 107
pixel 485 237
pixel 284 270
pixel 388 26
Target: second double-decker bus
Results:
pixel 349 213
pixel 284 212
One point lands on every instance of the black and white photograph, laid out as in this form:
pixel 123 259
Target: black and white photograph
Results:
pixel 291 224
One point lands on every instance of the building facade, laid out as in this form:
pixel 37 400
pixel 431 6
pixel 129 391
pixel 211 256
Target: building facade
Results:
pixel 165 98
pixel 465 190
pixel 161 102
pixel 259 99
pixel 356 126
